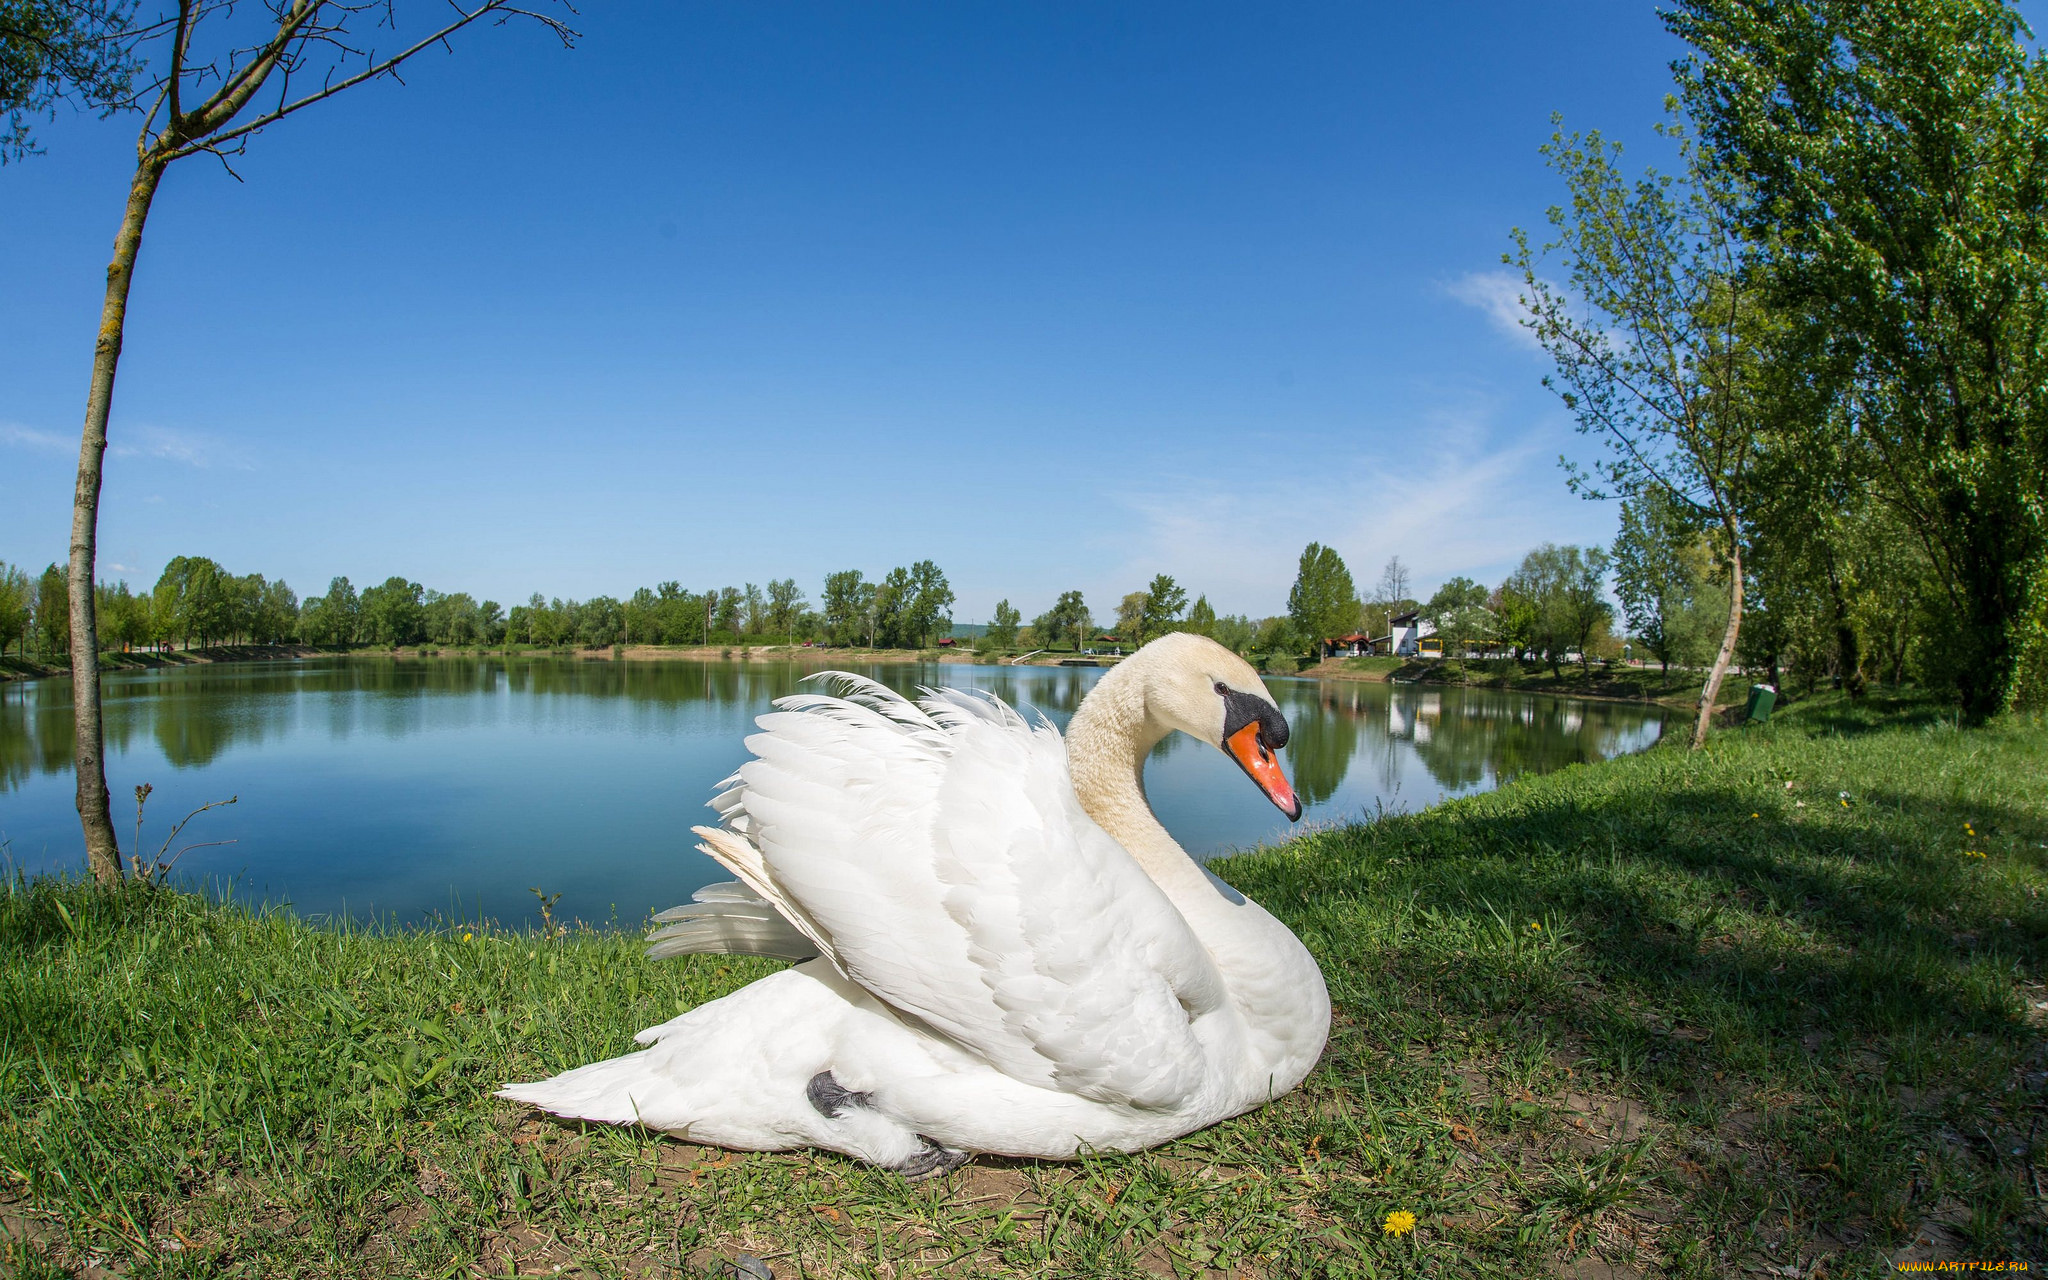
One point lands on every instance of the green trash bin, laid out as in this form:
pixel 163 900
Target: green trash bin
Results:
pixel 1762 698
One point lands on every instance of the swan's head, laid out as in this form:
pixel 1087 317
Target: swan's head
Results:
pixel 1204 690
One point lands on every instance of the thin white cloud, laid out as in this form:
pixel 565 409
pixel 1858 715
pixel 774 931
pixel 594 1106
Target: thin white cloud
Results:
pixel 1456 499
pixel 193 449
pixel 22 437
pixel 1497 294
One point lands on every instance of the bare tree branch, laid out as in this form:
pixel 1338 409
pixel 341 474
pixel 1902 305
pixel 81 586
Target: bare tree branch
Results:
pixel 386 67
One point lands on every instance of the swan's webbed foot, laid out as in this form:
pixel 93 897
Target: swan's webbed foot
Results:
pixel 931 1161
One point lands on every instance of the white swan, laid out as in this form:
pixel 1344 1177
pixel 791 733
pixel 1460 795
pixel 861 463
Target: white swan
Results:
pixel 1007 952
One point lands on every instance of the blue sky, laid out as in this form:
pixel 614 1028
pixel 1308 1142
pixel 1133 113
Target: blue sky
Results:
pixel 1056 295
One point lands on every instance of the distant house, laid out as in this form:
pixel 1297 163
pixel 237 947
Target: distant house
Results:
pixel 1354 645
pixel 1407 633
pixel 947 642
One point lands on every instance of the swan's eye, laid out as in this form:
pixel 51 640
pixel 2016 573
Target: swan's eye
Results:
pixel 1222 688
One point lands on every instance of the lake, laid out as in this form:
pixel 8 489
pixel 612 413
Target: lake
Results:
pixel 406 787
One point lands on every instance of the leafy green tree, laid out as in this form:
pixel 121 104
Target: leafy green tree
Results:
pixel 17 604
pixel 345 610
pixel 52 623
pixel 122 619
pixel 1164 601
pixel 1657 340
pixel 1458 612
pixel 1235 632
pixel 1069 618
pixel 1202 617
pixel 848 598
pixel 62 51
pixel 1890 155
pixel 1323 601
pixel 729 611
pixel 1663 575
pixel 929 602
pixel 1581 610
pixel 785 607
pixel 1002 629
pixel 600 621
pixel 192 600
pixel 274 617
pixel 1130 619
pixel 452 619
pixel 1278 635
pixel 680 615
pixel 1516 615
pixel 395 613
pixel 334 618
pixel 641 618
pixel 890 610
pixel 519 624
pixel 1555 602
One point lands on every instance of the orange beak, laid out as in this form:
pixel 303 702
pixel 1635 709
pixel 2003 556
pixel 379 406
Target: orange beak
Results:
pixel 1253 757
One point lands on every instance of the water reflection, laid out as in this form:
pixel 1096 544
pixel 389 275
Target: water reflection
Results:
pixel 410 785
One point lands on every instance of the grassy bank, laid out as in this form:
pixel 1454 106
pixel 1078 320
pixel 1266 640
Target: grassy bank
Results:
pixel 1662 1015
pixel 1632 684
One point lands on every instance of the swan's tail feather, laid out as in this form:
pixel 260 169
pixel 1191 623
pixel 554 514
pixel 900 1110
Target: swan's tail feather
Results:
pixel 737 855
pixel 727 919
pixel 627 1090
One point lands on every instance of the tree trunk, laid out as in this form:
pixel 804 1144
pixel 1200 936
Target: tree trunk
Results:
pixel 1727 654
pixel 102 849
pixel 1848 648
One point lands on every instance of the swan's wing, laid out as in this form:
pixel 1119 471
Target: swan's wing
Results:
pixel 939 857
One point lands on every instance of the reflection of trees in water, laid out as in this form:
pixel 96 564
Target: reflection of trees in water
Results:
pixel 1464 737
pixel 1324 725
pixel 35 731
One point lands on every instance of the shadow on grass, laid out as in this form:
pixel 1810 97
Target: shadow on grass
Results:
pixel 1827 993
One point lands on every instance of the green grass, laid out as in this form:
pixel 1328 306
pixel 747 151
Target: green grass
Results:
pixel 1375 666
pixel 1663 1012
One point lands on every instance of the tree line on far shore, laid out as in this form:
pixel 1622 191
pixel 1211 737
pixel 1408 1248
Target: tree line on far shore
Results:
pixel 1552 606
pixel 197 602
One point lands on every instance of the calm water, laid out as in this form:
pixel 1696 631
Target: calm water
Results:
pixel 409 786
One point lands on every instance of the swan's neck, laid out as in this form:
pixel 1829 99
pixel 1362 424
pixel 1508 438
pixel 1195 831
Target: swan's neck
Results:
pixel 1107 742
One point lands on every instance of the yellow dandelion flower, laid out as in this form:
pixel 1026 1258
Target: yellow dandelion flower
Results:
pixel 469 937
pixel 1756 815
pixel 1399 1223
pixel 1972 853
pixel 1537 927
